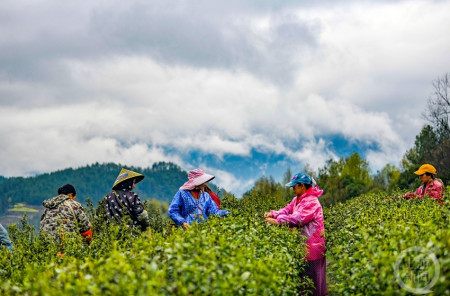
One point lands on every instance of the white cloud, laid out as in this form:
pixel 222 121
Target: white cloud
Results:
pixel 228 181
pixel 277 80
pixel 314 153
pixel 48 139
pixel 211 111
pixel 377 55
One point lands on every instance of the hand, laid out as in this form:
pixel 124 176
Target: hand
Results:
pixel 185 225
pixel 268 215
pixel 409 195
pixel 271 220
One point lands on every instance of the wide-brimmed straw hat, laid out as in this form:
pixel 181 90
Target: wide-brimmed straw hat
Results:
pixel 196 177
pixel 126 175
pixel 426 168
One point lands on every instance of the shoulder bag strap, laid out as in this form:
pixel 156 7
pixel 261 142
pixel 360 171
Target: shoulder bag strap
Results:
pixel 67 202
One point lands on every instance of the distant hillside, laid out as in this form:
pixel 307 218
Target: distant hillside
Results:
pixel 161 182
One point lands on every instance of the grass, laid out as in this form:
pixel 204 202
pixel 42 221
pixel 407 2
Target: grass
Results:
pixel 20 207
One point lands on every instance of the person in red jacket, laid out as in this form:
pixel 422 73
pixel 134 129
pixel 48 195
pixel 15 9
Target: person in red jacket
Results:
pixel 430 187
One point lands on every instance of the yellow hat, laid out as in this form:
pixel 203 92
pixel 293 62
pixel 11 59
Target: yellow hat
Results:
pixel 126 175
pixel 426 168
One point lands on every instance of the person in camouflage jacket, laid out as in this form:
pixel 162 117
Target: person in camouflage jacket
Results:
pixel 63 215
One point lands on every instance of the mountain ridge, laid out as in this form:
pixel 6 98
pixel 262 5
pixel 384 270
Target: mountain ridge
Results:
pixel 94 181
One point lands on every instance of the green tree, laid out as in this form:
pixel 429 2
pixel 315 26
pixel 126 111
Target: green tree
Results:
pixel 266 186
pixel 432 145
pixel 387 178
pixel 441 160
pixel 438 115
pixel 422 152
pixel 344 178
pixel 329 179
pixel 287 192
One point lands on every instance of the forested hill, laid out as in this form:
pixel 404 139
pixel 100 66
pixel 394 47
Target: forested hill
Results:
pixel 161 182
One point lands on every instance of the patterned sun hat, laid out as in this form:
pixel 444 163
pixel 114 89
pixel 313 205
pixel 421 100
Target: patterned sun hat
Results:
pixel 126 175
pixel 196 177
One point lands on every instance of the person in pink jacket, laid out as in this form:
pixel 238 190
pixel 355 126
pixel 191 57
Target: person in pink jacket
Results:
pixel 430 187
pixel 305 211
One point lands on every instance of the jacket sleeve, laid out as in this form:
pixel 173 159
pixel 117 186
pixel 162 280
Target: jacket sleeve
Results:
pixel 212 209
pixel 436 191
pixel 83 221
pixel 284 211
pixel 418 191
pixel 175 209
pixel 302 215
pixel 137 208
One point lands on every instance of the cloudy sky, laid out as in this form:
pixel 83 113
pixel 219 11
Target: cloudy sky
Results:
pixel 239 88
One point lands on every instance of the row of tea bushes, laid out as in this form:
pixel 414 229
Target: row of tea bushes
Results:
pixel 383 246
pixel 237 255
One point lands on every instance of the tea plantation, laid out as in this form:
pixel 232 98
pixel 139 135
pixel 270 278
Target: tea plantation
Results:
pixel 368 239
pixel 383 246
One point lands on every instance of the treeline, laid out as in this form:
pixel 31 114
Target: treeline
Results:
pixel 348 177
pixel 351 176
pixel 161 182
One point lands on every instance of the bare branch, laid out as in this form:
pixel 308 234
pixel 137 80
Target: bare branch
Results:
pixel 438 112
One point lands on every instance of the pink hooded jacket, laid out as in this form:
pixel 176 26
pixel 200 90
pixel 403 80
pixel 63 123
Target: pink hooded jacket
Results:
pixel 306 211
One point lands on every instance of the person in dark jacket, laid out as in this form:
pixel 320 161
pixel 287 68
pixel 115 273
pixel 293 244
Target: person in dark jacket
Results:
pixel 123 201
pixel 4 238
pixel 64 215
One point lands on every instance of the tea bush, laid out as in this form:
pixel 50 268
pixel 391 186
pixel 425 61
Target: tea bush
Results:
pixel 367 239
pixel 368 236
pixel 236 255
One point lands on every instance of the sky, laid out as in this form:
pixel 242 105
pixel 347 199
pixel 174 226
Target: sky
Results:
pixel 241 89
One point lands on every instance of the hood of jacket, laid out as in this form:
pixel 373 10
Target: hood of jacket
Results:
pixel 54 202
pixel 313 191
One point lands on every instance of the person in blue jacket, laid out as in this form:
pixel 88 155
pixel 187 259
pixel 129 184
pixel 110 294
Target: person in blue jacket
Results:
pixel 191 203
pixel 4 238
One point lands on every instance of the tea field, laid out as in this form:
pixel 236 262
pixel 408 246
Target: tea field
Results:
pixel 383 246
pixel 376 246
